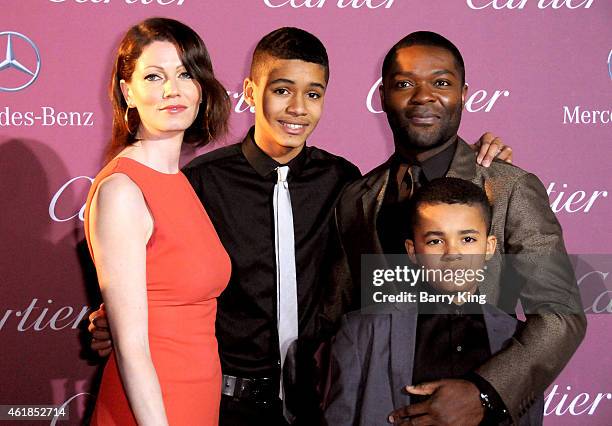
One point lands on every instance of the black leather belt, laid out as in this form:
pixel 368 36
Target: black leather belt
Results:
pixel 260 391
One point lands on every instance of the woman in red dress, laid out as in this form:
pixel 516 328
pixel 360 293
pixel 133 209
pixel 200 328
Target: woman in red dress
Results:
pixel 159 261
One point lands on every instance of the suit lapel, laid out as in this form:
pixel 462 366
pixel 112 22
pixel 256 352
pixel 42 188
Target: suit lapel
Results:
pixel 371 201
pixel 403 336
pixel 463 165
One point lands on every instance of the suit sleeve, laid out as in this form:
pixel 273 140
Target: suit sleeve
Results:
pixel 342 400
pixel 341 295
pixel 538 266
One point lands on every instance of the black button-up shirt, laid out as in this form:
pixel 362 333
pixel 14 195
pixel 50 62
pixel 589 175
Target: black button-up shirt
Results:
pixel 451 341
pixel 236 185
pixel 392 221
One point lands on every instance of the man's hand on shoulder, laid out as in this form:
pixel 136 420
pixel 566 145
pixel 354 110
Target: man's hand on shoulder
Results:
pixel 451 402
pixel 489 147
pixel 100 333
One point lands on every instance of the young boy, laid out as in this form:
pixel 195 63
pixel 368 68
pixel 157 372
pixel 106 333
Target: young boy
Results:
pixel 447 332
pixel 275 241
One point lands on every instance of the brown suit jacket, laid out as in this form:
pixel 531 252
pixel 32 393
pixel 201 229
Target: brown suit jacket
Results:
pixel 540 274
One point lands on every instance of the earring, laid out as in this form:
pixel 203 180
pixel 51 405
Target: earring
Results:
pixel 125 118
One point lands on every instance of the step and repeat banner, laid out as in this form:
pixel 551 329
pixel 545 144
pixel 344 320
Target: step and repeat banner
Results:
pixel 539 74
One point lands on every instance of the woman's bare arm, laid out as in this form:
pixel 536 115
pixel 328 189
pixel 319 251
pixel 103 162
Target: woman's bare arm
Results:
pixel 120 227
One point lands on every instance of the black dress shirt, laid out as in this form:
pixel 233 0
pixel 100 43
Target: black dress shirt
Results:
pixel 392 220
pixel 236 185
pixel 451 341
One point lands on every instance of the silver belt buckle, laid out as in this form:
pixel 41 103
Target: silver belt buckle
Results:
pixel 229 385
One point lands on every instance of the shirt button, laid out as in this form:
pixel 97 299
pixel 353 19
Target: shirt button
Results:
pixel 459 348
pixel 278 362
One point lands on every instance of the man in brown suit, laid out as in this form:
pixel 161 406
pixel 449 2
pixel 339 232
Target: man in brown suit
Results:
pixel 423 92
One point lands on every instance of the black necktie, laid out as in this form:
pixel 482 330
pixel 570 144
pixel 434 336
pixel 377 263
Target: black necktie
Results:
pixel 416 174
pixel 410 182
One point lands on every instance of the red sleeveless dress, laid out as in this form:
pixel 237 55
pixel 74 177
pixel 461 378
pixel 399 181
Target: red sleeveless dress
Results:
pixel 187 268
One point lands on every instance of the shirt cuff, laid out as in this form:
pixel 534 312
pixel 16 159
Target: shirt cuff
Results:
pixel 497 411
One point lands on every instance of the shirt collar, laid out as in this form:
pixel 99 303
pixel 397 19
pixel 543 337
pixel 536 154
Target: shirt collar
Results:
pixel 265 165
pixel 434 162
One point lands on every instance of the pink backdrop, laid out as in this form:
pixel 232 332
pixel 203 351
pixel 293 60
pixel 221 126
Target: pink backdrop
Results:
pixel 539 77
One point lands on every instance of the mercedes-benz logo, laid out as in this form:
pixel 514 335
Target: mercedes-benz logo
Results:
pixel 10 61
